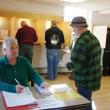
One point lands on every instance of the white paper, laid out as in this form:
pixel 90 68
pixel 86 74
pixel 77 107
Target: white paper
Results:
pixel 66 50
pixel 60 88
pixel 18 99
pixel 49 102
pixel 42 90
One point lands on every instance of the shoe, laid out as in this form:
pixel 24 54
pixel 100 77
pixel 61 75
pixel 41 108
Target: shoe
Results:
pixel 70 77
pixel 46 77
pixel 55 77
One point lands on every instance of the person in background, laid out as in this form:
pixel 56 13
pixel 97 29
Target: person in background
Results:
pixel 16 67
pixel 54 38
pixel 85 60
pixel 106 56
pixel 26 37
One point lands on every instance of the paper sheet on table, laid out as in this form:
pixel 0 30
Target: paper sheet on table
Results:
pixel 48 103
pixel 60 88
pixel 19 99
pixel 66 95
pixel 66 50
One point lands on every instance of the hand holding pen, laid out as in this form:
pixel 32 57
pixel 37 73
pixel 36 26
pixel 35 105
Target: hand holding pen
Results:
pixel 19 88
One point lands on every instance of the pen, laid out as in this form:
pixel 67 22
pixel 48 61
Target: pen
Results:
pixel 17 81
pixel 28 91
pixel 20 89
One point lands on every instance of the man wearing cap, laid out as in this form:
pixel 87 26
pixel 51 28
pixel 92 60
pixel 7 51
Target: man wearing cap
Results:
pixel 85 60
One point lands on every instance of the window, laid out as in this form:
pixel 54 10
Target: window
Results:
pixel 70 12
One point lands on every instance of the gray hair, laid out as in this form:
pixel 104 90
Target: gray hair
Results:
pixel 8 41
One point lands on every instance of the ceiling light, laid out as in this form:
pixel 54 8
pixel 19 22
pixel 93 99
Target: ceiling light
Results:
pixel 74 1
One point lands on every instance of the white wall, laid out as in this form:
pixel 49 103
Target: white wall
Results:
pixel 101 19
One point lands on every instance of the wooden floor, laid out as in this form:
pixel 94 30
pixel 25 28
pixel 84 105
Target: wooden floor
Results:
pixel 101 98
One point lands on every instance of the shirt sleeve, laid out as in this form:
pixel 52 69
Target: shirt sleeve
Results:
pixel 35 37
pixel 78 57
pixel 7 87
pixel 62 37
pixel 46 36
pixel 18 35
pixel 33 74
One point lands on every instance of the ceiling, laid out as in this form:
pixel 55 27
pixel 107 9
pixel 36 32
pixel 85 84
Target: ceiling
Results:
pixel 54 7
pixel 97 5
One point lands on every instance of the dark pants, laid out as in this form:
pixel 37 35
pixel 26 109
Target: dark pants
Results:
pixel 71 76
pixel 26 50
pixel 87 94
pixel 106 63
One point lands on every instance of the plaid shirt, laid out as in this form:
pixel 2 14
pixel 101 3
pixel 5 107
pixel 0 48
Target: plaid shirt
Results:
pixel 86 62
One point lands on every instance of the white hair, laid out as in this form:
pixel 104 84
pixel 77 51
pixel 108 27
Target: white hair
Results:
pixel 8 41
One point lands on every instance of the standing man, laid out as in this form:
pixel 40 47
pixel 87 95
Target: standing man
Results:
pixel 54 39
pixel 26 37
pixel 85 60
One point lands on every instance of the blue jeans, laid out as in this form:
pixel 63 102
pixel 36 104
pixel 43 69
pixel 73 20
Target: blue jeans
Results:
pixel 53 58
pixel 87 94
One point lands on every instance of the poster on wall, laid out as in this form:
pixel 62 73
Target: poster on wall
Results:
pixel 3 33
pixel 101 33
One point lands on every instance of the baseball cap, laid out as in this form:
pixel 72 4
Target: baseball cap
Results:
pixel 79 21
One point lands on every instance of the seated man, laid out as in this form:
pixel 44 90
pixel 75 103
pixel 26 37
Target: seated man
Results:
pixel 14 67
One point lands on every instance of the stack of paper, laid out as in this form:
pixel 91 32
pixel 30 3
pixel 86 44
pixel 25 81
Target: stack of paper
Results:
pixel 60 88
pixel 66 50
pixel 19 99
pixel 42 90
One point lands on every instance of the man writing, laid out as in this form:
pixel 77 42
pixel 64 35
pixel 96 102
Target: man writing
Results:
pixel 16 67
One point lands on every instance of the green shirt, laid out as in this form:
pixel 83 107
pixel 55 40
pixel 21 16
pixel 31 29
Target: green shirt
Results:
pixel 22 71
pixel 86 62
